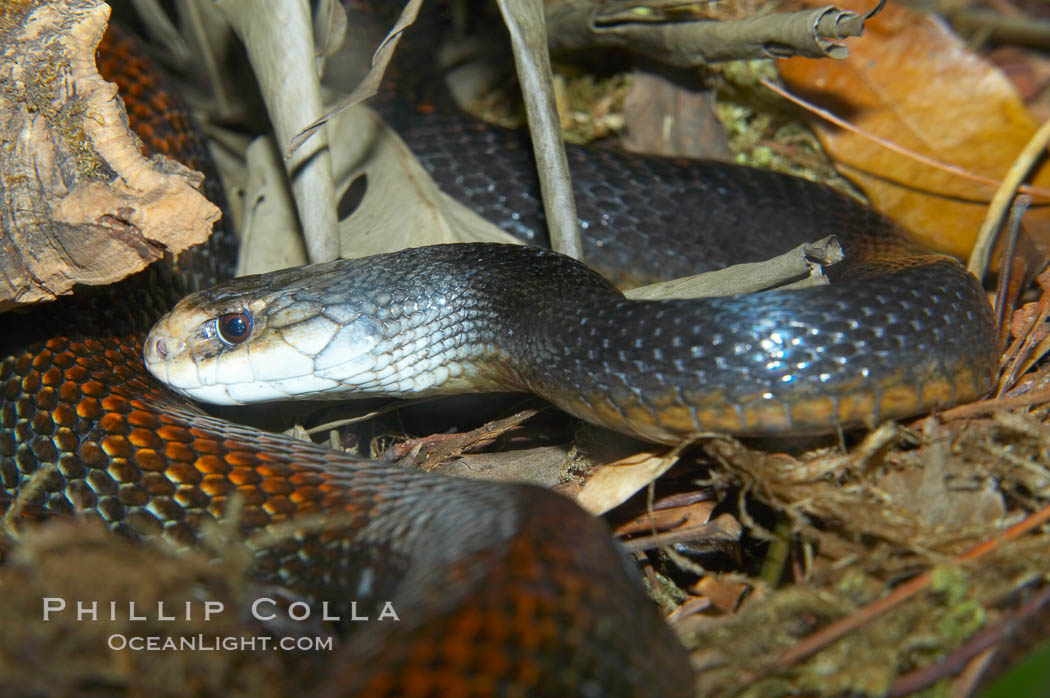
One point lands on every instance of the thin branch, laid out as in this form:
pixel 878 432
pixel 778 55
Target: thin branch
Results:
pixel 1013 231
pixel 528 35
pixel 975 409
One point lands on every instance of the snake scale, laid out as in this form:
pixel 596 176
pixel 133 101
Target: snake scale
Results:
pixel 502 589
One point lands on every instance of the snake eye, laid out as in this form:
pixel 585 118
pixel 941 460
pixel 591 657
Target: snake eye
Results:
pixel 234 328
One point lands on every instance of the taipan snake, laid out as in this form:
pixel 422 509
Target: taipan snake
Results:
pixel 500 587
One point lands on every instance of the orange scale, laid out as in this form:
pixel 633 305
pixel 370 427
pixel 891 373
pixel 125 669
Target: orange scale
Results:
pixel 69 392
pixel 131 495
pixel 91 454
pixel 113 424
pixel 210 464
pixel 76 373
pixel 242 477
pixel 64 415
pixel 64 359
pixel 176 451
pixel 65 439
pixel 31 383
pixel 525 609
pixel 150 460
pixel 303 495
pixel 424 682
pixel 278 470
pixel 183 474
pixel 144 419
pixel 857 406
pixel 305 478
pixel 279 506
pixel 217 507
pixel 546 629
pixel 47 399
pixel 93 388
pixel 276 486
pixel 968 385
pixel 190 498
pixel 381 684
pixel 170 432
pixel 524 563
pixel 458 652
pixel 205 445
pixel 495 663
pixel 117 447
pixel 498 628
pixel 42 360
pixel 265 456
pixel 240 459
pixel 53 377
pixel 766 415
pixel 23 365
pixel 216 486
pixel 157 485
pixel 123 471
pixel 421 653
pixel 145 438
pixel 42 424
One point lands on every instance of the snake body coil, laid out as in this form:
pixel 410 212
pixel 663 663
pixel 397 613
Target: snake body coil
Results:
pixel 501 589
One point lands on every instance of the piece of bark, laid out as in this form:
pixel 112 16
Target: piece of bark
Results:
pixel 799 267
pixel 81 205
pixel 669 36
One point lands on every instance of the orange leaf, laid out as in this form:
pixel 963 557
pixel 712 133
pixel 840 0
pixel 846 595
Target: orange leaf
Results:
pixel 910 80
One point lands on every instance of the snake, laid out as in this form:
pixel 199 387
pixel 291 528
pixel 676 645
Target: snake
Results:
pixel 480 317
pixel 501 588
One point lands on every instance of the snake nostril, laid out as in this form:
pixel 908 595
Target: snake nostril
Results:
pixel 162 348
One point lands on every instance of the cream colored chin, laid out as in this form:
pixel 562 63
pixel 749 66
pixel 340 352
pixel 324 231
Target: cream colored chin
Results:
pixel 248 392
pixel 167 357
pixel 237 376
pixel 211 394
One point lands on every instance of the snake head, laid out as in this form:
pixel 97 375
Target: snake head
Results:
pixel 267 337
pixel 200 348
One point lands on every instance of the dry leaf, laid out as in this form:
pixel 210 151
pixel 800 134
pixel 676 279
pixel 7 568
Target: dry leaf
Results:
pixel 401 206
pixel 666 518
pixel 1023 318
pixel 911 81
pixel 724 594
pixel 616 482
